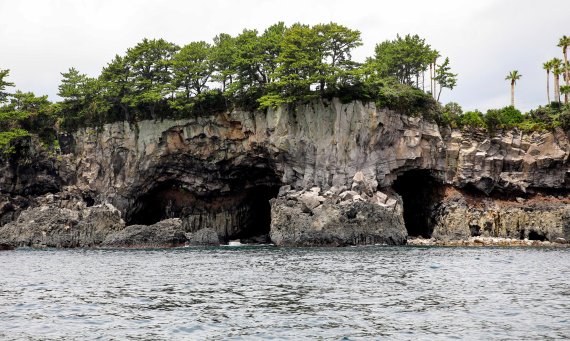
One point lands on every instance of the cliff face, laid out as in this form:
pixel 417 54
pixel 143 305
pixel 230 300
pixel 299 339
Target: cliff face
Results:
pixel 320 174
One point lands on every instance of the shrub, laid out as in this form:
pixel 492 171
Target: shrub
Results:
pixel 6 137
pixel 507 117
pixel 564 120
pixel 472 119
pixel 408 100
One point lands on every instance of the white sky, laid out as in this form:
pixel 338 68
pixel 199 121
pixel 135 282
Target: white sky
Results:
pixel 484 39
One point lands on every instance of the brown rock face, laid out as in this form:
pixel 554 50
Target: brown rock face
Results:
pixel 218 173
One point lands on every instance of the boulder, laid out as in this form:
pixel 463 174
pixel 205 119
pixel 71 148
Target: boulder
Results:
pixel 203 237
pixel 355 222
pixel 166 233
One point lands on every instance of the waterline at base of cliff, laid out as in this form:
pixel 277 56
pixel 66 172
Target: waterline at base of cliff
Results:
pixel 325 173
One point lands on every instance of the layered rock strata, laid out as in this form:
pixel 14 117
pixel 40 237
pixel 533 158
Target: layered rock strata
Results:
pixel 317 174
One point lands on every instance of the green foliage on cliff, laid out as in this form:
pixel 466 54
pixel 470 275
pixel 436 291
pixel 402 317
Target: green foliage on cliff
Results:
pixel 6 137
pixel 23 113
pixel 541 118
pixel 252 70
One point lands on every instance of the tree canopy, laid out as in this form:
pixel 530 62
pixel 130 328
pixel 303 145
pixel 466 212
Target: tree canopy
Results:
pixel 252 70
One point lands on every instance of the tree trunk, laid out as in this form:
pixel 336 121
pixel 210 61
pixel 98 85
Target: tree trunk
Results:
pixel 566 66
pixel 125 111
pixel 548 86
pixel 430 78
pixel 557 88
pixel 513 94
pixel 434 84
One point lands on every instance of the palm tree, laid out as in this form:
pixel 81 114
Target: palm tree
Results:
pixel 565 89
pixel 556 71
pixel 547 66
pixel 513 76
pixel 564 43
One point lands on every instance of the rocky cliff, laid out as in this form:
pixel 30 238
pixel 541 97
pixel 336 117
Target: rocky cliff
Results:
pixel 325 173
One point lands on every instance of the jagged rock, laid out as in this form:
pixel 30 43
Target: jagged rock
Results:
pixel 357 223
pixel 219 171
pixel 166 233
pixel 381 197
pixel 311 199
pixel 203 237
pixel 538 218
pixel 51 226
pixel 347 195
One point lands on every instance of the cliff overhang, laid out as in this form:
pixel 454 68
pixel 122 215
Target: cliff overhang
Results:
pixel 323 173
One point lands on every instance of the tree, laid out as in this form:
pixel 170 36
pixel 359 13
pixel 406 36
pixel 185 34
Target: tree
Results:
pixel 403 58
pixel 4 84
pixel 444 77
pixel 192 68
pixel 117 84
pixel 556 71
pixel 432 58
pixel 548 67
pixel 223 55
pixel 336 54
pixel 82 99
pixel 71 84
pixel 565 89
pixel 150 64
pixel 248 62
pixel 299 65
pixel 26 113
pixel 564 43
pixel 451 114
pixel 513 77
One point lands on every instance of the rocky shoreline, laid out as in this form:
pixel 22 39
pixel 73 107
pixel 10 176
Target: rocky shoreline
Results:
pixel 322 174
pixel 487 241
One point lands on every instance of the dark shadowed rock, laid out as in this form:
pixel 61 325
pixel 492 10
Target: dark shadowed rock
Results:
pixel 6 247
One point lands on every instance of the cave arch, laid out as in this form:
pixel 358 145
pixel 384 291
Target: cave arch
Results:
pixel 421 192
pixel 232 200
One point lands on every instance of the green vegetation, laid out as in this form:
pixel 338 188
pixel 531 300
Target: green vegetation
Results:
pixel 554 114
pixel 254 70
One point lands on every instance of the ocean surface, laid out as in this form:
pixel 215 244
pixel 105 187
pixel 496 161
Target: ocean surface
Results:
pixel 250 293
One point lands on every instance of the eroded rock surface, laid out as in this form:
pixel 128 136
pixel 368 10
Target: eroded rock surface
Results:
pixel 463 215
pixel 328 167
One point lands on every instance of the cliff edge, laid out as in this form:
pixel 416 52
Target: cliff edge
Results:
pixel 324 173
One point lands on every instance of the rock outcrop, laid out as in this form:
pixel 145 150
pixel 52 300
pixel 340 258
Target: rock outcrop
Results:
pixel 328 169
pixel 463 215
pixel 166 233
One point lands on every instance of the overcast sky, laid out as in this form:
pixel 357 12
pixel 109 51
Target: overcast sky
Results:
pixel 484 39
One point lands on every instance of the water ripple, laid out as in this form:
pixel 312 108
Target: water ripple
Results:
pixel 278 293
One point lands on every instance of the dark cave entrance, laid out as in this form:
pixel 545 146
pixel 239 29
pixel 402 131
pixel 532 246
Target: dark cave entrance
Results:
pixel 420 193
pixel 240 211
pixel 534 235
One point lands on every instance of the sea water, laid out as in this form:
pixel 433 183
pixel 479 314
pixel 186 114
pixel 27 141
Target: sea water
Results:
pixel 250 293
